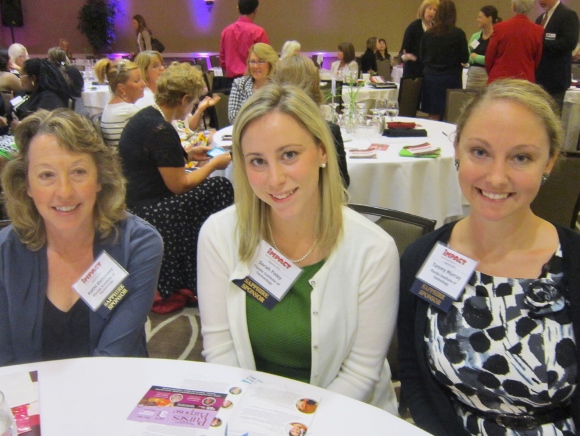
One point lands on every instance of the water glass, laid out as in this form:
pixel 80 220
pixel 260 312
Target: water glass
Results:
pixel 392 109
pixel 7 424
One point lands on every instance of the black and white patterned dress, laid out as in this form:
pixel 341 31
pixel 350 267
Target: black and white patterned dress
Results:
pixel 506 346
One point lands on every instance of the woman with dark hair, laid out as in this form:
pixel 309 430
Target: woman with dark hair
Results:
pixel 159 189
pixel 409 54
pixel 45 87
pixel 346 66
pixel 65 195
pixel 72 75
pixel 368 60
pixel 443 52
pixel 143 33
pixel 476 75
pixel 382 52
pixel 502 357
pixel 8 82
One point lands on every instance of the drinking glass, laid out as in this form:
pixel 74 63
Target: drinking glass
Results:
pixel 7 424
pixel 380 106
pixel 392 109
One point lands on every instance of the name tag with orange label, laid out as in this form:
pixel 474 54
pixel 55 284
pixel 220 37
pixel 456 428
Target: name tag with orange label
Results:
pixel 442 278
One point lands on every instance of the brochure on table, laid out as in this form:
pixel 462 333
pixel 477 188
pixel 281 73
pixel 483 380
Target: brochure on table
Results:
pixel 21 392
pixel 241 407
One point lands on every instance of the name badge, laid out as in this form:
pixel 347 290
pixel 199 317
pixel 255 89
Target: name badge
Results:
pixel 550 36
pixel 271 276
pixel 101 286
pixel 17 101
pixel 474 44
pixel 443 276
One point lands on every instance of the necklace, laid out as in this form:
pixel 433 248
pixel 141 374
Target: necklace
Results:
pixel 276 247
pixel 160 111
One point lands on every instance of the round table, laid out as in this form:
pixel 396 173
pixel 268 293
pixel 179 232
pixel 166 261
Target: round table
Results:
pixel 96 97
pixel 95 396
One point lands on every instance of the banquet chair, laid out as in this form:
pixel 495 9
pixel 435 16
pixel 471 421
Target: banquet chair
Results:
pixel 214 61
pixel 455 101
pixel 221 109
pixel 559 198
pixel 576 71
pixel 410 95
pixel 404 228
pixel 384 69
pixel 96 120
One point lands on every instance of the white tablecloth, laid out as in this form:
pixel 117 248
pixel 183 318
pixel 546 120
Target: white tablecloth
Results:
pixel 571 118
pixel 94 396
pixel 424 187
pixel 95 98
pixel 369 95
pixel 421 186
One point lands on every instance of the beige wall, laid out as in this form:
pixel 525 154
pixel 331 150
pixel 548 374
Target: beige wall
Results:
pixel 186 25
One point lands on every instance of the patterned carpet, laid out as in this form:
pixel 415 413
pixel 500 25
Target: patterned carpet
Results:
pixel 175 335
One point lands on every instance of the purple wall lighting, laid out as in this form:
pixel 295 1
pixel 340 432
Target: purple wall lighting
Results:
pixel 201 15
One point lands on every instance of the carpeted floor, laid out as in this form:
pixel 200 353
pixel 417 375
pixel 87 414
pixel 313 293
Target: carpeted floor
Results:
pixel 175 335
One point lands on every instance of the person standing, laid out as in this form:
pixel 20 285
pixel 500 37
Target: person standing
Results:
pixel 476 75
pixel 560 25
pixel 238 37
pixel 515 49
pixel 143 33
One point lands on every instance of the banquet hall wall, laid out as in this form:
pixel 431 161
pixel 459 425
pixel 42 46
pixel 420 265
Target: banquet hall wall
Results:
pixel 186 26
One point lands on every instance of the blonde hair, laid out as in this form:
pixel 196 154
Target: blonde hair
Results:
pixel 76 134
pixel 289 48
pixel 145 59
pixel 178 80
pixel 533 97
pixel 116 72
pixel 300 71
pixel 251 211
pixel 424 5
pixel 264 52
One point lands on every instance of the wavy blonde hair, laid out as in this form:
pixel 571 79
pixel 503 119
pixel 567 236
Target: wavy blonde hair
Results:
pixel 145 59
pixel 264 52
pixel 116 72
pixel 424 5
pixel 251 211
pixel 178 80
pixel 75 134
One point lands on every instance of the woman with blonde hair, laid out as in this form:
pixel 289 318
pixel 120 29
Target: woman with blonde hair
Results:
pixel 65 195
pixel 290 202
pixel 502 358
pixel 262 60
pixel 290 48
pixel 160 190
pixel 409 53
pixel 127 85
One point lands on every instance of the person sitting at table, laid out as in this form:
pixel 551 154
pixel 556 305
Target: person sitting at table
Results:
pixel 45 88
pixel 503 359
pixel 262 60
pixel 345 67
pixel 160 190
pixel 476 75
pixel 368 60
pixel 18 54
pixel 409 53
pixel 300 71
pixel 65 195
pixel 127 85
pixel 150 63
pixel 73 77
pixel 289 196
pixel 382 52
pixel 290 48
pixel 9 83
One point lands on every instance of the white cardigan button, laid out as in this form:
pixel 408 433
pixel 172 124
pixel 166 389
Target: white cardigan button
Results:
pixel 312 282
pixel 315 313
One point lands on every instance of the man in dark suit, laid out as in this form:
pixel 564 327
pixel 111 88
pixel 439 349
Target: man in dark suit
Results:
pixel 560 37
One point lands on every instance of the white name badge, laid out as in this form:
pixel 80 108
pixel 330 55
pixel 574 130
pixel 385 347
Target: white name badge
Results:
pixel 550 36
pixel 100 285
pixel 474 44
pixel 443 276
pixel 271 276
pixel 17 101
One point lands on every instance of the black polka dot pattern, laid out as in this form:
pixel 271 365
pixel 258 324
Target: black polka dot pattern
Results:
pixel 179 219
pixel 493 355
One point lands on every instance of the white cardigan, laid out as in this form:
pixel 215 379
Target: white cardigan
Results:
pixel 354 305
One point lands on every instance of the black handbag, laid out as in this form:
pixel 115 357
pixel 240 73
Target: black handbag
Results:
pixel 156 44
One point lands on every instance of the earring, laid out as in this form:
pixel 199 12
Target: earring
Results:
pixel 457 164
pixel 323 165
pixel 33 83
pixel 545 178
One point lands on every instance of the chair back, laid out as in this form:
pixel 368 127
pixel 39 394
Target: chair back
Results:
pixel 403 227
pixel 96 120
pixel 409 96
pixel 384 68
pixel 576 71
pixel 221 109
pixel 214 61
pixel 456 100
pixel 326 89
pixel 559 198
pixel 208 77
